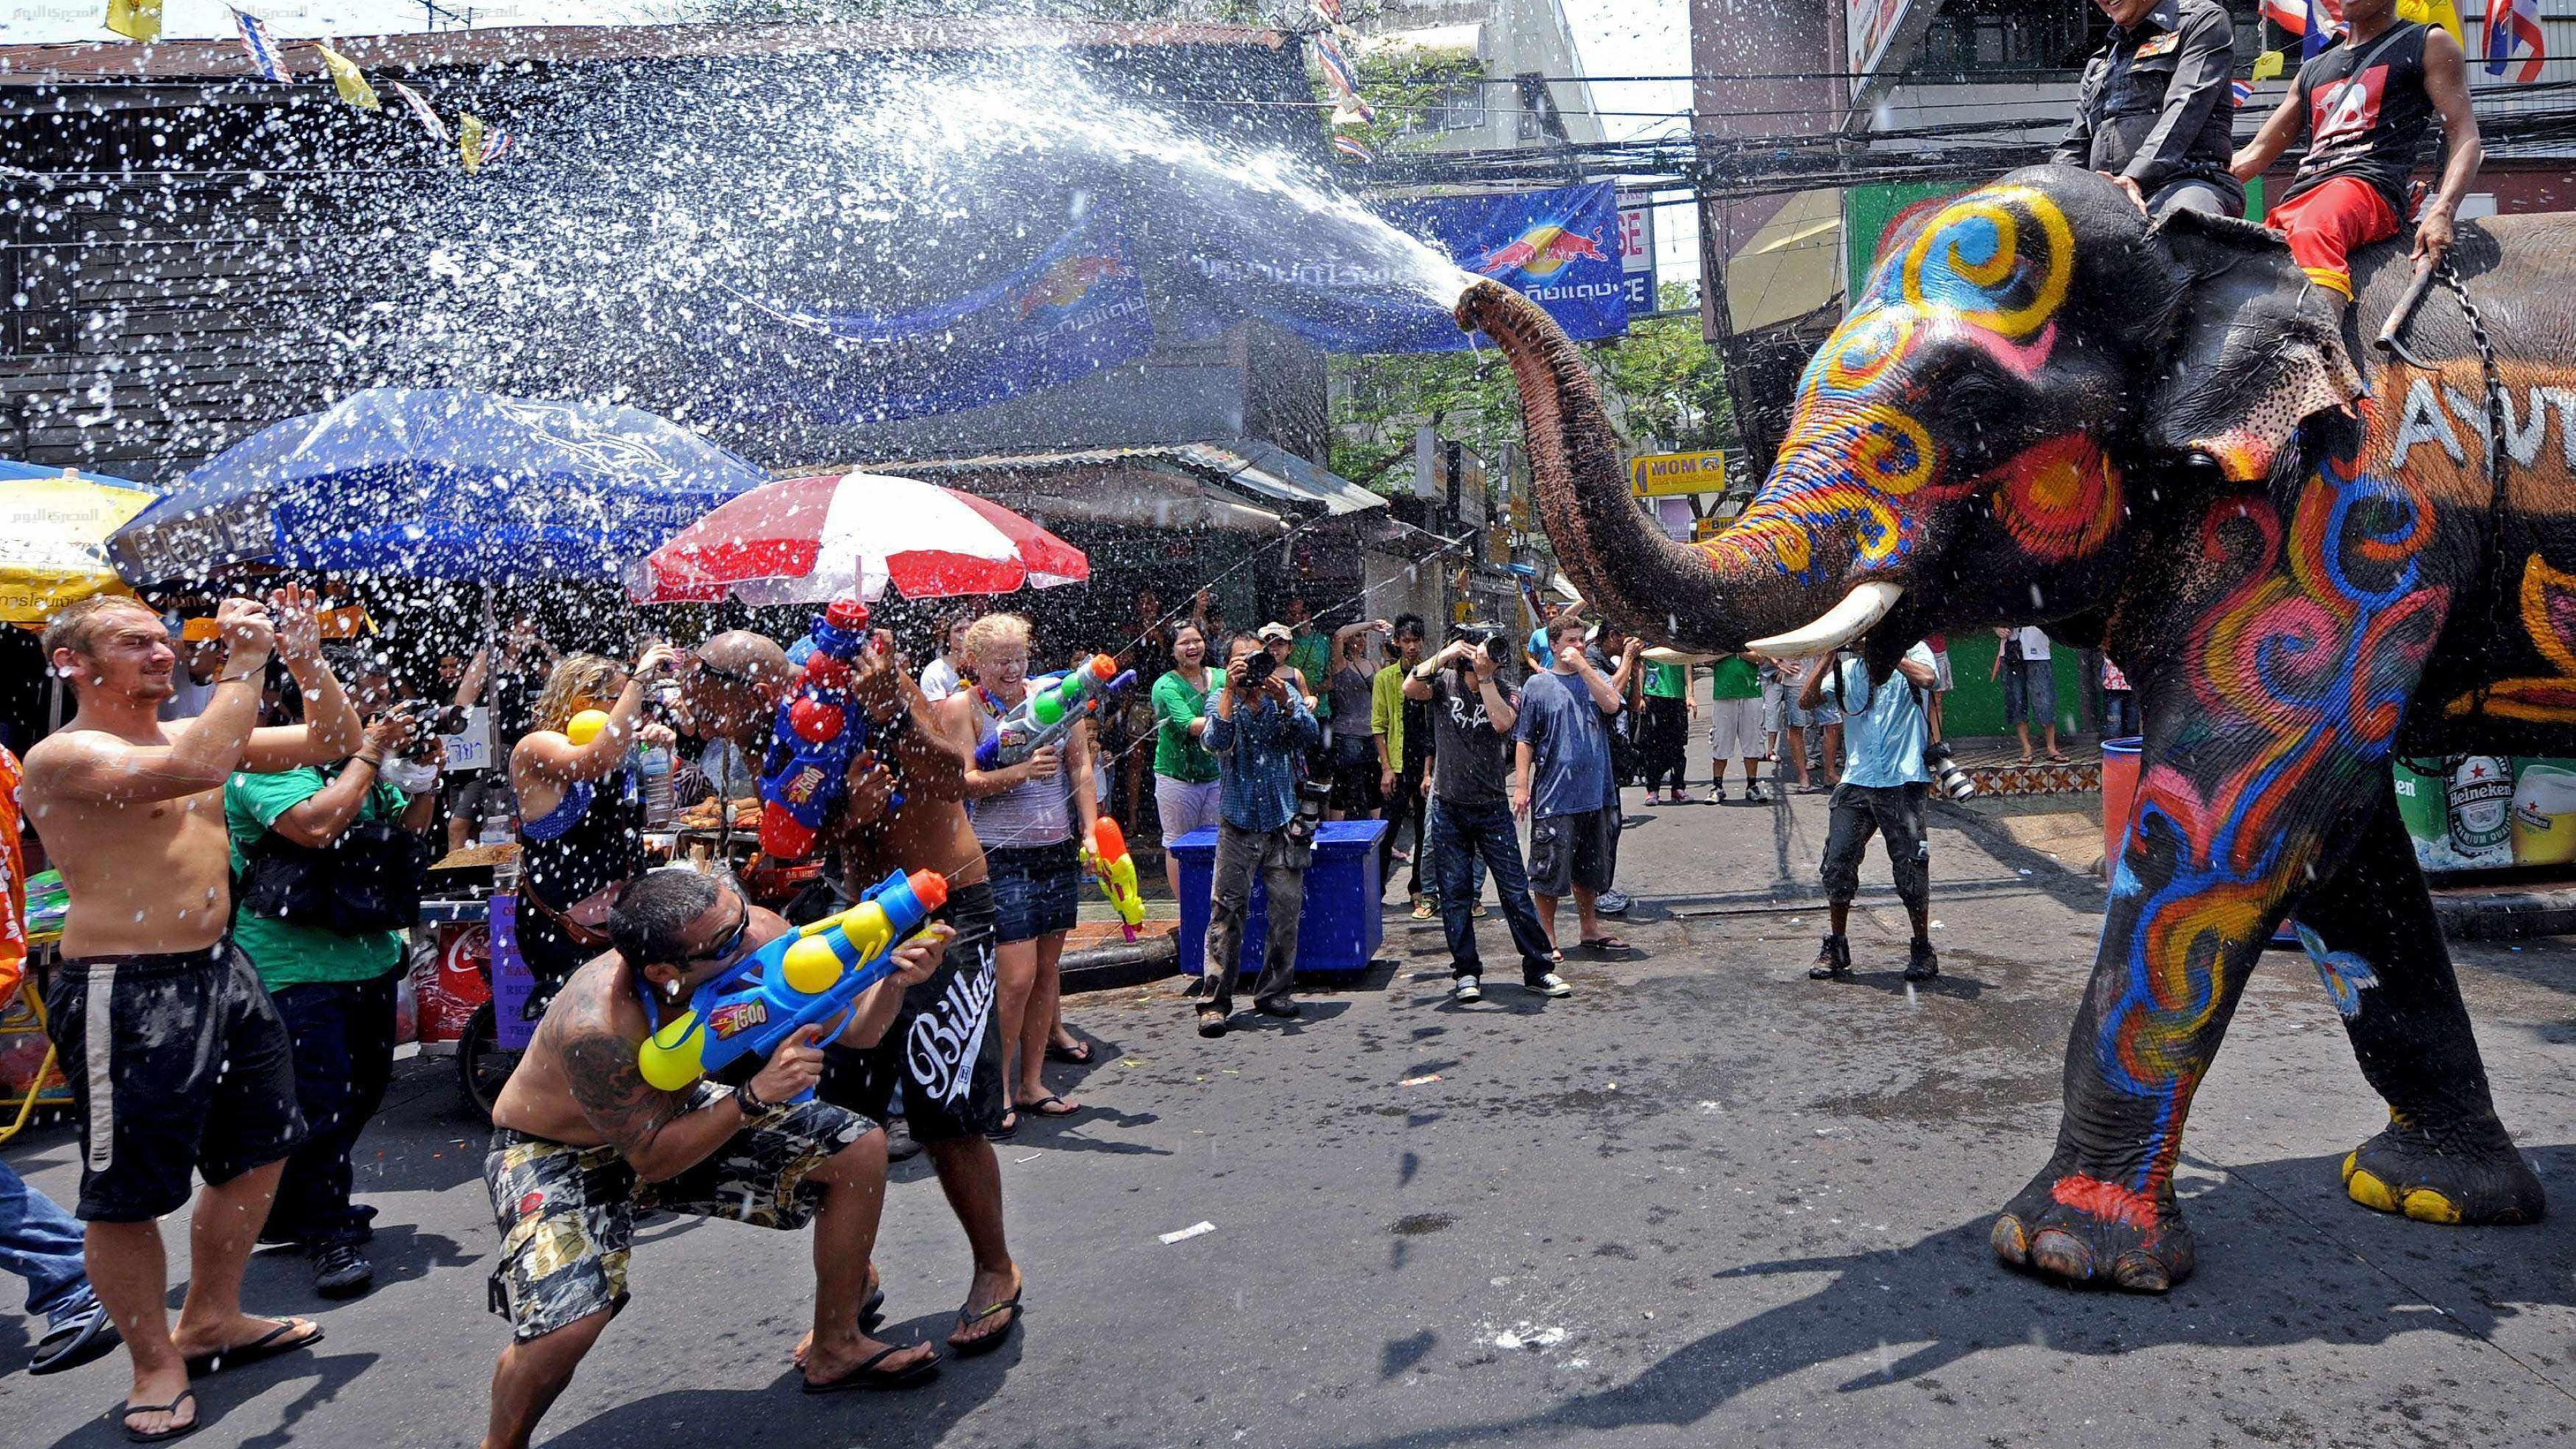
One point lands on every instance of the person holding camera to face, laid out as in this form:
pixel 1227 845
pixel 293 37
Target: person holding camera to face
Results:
pixel 1471 818
pixel 1258 725
pixel 1886 779
pixel 331 862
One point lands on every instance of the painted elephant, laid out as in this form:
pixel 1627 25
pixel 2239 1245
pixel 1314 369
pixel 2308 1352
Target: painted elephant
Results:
pixel 2045 411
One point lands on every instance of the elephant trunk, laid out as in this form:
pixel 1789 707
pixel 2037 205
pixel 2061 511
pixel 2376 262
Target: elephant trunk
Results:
pixel 1626 566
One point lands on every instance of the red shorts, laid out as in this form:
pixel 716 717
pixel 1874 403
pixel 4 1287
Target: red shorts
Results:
pixel 2324 225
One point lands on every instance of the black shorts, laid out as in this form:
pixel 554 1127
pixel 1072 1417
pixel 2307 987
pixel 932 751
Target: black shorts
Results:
pixel 1892 811
pixel 176 1062
pixel 1573 850
pixel 945 1046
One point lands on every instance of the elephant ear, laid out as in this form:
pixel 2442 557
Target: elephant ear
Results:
pixel 2256 349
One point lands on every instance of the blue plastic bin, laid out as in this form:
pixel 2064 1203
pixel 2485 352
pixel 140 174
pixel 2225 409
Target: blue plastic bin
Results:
pixel 1339 930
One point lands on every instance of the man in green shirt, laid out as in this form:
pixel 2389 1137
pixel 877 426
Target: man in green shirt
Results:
pixel 1666 741
pixel 335 990
pixel 1735 722
pixel 1310 651
pixel 1399 770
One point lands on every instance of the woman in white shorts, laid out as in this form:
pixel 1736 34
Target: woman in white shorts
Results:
pixel 1185 774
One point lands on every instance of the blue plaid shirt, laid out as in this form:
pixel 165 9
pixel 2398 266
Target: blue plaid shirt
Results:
pixel 1256 755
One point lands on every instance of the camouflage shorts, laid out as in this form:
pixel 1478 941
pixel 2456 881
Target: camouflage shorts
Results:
pixel 567 1214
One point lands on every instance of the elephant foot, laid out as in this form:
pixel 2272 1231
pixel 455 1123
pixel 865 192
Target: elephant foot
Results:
pixel 2402 1171
pixel 2084 1230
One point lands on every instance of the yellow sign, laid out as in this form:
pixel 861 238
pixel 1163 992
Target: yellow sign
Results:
pixel 1704 529
pixel 1666 475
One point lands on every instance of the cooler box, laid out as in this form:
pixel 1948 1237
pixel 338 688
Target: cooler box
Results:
pixel 449 949
pixel 1340 928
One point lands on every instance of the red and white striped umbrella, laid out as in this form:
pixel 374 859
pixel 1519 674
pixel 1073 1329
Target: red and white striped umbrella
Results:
pixel 805 540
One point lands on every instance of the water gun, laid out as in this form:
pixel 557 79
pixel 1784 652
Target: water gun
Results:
pixel 1117 871
pixel 1049 713
pixel 817 733
pixel 799 980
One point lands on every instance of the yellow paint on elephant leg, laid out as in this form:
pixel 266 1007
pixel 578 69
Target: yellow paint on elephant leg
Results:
pixel 2366 1189
pixel 2425 1205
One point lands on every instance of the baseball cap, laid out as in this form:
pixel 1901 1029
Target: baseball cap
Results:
pixel 1274 630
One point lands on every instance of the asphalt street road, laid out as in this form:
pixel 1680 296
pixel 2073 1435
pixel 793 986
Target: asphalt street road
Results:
pixel 1703 1201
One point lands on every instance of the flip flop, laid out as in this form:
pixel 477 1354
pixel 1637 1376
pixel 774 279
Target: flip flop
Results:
pixel 129 1409
pixel 90 1335
pixel 1056 1052
pixel 1063 1108
pixel 868 1376
pixel 1605 943
pixel 1009 1129
pixel 990 1341
pixel 267 1345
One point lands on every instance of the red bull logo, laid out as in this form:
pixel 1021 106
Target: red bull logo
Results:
pixel 735 1018
pixel 1068 282
pixel 1542 251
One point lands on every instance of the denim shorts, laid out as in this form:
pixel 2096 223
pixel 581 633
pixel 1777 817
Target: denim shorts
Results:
pixel 1037 890
pixel 2030 693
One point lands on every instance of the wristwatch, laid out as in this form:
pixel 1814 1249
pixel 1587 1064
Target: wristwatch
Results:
pixel 749 1101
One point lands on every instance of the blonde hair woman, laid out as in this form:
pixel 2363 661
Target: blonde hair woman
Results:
pixel 581 819
pixel 1027 817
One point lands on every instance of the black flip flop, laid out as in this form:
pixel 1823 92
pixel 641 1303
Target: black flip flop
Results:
pixel 1009 1129
pixel 993 1340
pixel 868 1376
pixel 164 1436
pixel 1040 1107
pixel 90 1336
pixel 1604 943
pixel 1057 1053
pixel 264 1346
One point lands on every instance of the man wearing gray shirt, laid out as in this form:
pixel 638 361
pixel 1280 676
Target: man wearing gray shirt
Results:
pixel 2155 112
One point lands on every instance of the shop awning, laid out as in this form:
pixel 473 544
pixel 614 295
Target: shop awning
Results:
pixel 1239 485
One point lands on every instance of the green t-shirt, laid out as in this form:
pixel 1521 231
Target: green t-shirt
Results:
pixel 1312 656
pixel 285 953
pixel 1735 677
pixel 1667 681
pixel 1176 707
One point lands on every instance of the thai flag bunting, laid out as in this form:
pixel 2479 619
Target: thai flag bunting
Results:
pixel 1338 71
pixel 347 79
pixel 2290 15
pixel 1329 11
pixel 478 145
pixel 420 110
pixel 260 46
pixel 2318 22
pixel 2240 92
pixel 2513 23
pixel 1350 146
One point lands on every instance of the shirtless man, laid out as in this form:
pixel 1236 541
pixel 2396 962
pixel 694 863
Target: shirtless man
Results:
pixel 945 1046
pixel 581 1144
pixel 154 997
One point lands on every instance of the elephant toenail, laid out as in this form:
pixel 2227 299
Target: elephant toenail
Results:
pixel 2011 1240
pixel 2367 1190
pixel 2140 1273
pixel 2063 1254
pixel 2425 1205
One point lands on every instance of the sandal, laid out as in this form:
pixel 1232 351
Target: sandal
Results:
pixel 1211 1022
pixel 128 1410
pixel 868 1376
pixel 1059 1052
pixel 1062 1108
pixel 1604 943
pixel 267 1345
pixel 2055 758
pixel 1009 1129
pixel 995 1339
pixel 83 1337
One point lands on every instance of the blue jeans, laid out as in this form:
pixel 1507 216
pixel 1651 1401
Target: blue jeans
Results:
pixel 1462 836
pixel 42 1244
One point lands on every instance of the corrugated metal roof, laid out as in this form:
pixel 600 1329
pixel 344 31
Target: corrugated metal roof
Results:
pixel 1260 469
pixel 222 59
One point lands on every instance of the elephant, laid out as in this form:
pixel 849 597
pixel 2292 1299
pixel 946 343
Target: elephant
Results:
pixel 2161 439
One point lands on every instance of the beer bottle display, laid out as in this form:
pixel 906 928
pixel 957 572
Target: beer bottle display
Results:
pixel 2481 810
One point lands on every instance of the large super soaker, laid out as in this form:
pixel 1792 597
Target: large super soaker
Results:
pixel 1117 871
pixel 819 731
pixel 1053 706
pixel 808 978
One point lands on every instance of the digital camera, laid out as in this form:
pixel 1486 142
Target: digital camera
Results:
pixel 1946 774
pixel 1255 670
pixel 1496 642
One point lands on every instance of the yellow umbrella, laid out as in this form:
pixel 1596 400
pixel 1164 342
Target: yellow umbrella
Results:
pixel 53 537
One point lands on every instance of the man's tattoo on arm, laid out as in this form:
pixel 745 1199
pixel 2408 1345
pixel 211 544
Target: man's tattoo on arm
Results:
pixel 612 1091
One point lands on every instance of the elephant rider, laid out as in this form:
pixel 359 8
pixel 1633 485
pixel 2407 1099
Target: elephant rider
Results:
pixel 2154 112
pixel 2364 106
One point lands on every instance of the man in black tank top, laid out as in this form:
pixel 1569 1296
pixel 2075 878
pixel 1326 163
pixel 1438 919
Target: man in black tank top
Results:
pixel 2365 106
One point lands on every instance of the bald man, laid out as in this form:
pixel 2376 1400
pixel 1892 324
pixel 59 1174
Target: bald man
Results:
pixel 729 693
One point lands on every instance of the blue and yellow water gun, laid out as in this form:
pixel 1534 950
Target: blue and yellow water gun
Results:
pixel 819 731
pixel 803 979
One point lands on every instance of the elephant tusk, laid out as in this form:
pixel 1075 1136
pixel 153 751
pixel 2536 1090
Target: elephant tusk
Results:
pixel 1865 605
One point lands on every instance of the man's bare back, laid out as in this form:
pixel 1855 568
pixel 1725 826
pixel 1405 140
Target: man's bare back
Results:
pixel 131 810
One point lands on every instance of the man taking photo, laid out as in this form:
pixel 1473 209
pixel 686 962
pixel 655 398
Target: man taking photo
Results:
pixel 1563 783
pixel 1883 789
pixel 1471 820
pixel 1257 728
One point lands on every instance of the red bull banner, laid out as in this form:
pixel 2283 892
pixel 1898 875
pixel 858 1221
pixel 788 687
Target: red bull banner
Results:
pixel 1559 248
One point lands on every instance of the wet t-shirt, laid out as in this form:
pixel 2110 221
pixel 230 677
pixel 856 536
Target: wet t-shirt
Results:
pixel 1569 742
pixel 1469 757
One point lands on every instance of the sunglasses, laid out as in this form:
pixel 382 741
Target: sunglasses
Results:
pixel 728 676
pixel 731 945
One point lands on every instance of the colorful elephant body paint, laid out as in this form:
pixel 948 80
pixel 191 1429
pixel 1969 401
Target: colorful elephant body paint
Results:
pixel 2043 411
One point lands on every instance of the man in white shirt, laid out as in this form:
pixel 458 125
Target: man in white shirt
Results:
pixel 2030 689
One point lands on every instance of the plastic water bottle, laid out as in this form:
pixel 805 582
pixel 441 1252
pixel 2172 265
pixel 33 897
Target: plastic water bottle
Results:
pixel 654 762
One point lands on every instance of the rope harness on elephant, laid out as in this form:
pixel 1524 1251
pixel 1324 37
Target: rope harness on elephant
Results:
pixel 2390 340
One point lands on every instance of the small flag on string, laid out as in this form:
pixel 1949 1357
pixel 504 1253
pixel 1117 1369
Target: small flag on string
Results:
pixel 346 78
pixel 1344 81
pixel 1329 11
pixel 2512 24
pixel 260 46
pixel 135 19
pixel 420 110
pixel 1350 146
pixel 478 145
pixel 2269 64
pixel 2240 92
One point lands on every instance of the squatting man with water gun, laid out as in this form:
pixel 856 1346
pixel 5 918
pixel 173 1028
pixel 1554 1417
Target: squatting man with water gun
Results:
pixel 582 1142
